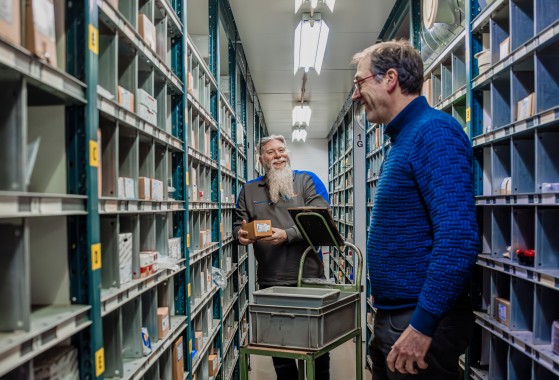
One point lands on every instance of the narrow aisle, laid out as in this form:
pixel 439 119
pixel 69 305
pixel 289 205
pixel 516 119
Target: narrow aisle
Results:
pixel 342 365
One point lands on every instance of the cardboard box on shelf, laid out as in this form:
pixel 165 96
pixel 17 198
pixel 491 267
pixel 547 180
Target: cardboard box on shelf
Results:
pixel 504 48
pixel 163 323
pixel 126 188
pixel 144 188
pixel 178 360
pixel 258 229
pixel 502 311
pixel 175 248
pixel 40 34
pixel 58 363
pixel 125 99
pixel 146 30
pixel 526 107
pixel 483 60
pixel 213 364
pixel 143 97
pixel 114 3
pixel 199 340
pixel 147 114
pixel 10 21
pixel 125 257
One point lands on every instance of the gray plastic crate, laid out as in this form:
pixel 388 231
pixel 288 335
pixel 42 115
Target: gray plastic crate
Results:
pixel 310 328
pixel 292 296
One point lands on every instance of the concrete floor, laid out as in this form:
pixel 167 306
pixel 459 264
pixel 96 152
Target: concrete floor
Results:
pixel 342 365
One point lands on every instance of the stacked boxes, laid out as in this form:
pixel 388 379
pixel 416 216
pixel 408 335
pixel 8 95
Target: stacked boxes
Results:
pixel 125 257
pixel 148 263
pixel 147 106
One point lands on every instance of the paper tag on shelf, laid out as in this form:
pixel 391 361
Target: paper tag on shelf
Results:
pixel 468 114
pixel 96 256
pixel 187 240
pixel 190 346
pixel 93 154
pixel 93 39
pixel 187 179
pixel 99 362
pixel 189 290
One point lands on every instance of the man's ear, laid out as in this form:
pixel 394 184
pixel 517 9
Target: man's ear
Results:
pixel 260 160
pixel 391 80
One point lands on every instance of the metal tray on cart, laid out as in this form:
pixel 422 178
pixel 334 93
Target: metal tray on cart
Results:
pixel 304 327
pixel 292 296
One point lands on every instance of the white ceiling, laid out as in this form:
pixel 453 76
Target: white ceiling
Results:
pixel 266 28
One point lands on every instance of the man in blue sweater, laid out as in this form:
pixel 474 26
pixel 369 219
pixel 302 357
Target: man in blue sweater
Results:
pixel 423 238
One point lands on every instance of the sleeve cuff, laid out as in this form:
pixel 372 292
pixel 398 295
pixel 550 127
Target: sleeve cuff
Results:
pixel 424 322
pixel 293 234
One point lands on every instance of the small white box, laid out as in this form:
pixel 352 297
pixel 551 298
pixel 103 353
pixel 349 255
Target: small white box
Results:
pixel 525 107
pixel 175 248
pixel 144 98
pixel 125 257
pixel 228 264
pixel 146 30
pixel 125 99
pixel 156 190
pixel 148 115
pixel 126 188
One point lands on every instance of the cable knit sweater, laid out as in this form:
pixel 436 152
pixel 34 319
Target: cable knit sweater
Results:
pixel 423 238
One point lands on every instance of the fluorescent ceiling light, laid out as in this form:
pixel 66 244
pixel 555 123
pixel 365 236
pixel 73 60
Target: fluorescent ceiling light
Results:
pixel 311 36
pixel 299 134
pixel 301 115
pixel 314 4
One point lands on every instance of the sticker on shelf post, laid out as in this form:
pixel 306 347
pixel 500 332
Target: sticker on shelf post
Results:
pixel 187 240
pixel 187 179
pixel 93 154
pixel 190 346
pixel 189 290
pixel 468 114
pixel 96 256
pixel 99 362
pixel 93 39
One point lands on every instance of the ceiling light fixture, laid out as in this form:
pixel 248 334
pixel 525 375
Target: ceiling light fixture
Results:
pixel 311 36
pixel 301 115
pixel 299 134
pixel 314 4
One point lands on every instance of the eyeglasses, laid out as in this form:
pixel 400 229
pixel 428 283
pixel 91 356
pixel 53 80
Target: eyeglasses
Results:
pixel 357 82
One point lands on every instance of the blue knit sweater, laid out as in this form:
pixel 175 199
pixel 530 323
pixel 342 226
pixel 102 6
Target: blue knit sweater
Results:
pixel 423 238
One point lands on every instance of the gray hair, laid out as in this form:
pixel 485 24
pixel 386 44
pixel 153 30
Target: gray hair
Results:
pixel 400 56
pixel 266 140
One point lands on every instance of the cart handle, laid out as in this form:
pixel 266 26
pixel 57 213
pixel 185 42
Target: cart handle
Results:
pixel 358 275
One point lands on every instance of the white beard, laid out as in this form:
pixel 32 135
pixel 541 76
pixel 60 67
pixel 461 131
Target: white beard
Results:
pixel 280 183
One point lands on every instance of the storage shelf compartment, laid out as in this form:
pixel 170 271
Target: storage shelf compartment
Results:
pixel 523 164
pixel 500 103
pixel 498 361
pixel 522 305
pixel 545 312
pixel 547 77
pixel 49 326
pixel 547 156
pixel 547 12
pixel 521 22
pixel 547 239
pixel 520 365
pixel 523 230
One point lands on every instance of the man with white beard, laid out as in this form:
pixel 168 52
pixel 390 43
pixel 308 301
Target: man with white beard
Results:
pixel 268 198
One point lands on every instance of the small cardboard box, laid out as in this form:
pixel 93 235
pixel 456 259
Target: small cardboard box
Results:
pixel 144 188
pixel 146 30
pixel 10 21
pixel 525 107
pixel 502 311
pixel 148 115
pixel 125 99
pixel 178 360
pixel 175 248
pixel 126 188
pixel 163 323
pixel 258 229
pixel 213 364
pixel 125 257
pixel 199 340
pixel 40 34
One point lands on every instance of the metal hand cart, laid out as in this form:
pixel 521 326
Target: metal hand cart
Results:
pixel 322 335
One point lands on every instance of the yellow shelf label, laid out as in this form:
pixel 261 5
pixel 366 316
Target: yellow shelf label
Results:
pixel 187 179
pixel 99 362
pixel 190 346
pixel 189 290
pixel 93 39
pixel 187 240
pixel 96 256
pixel 93 154
pixel 468 115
